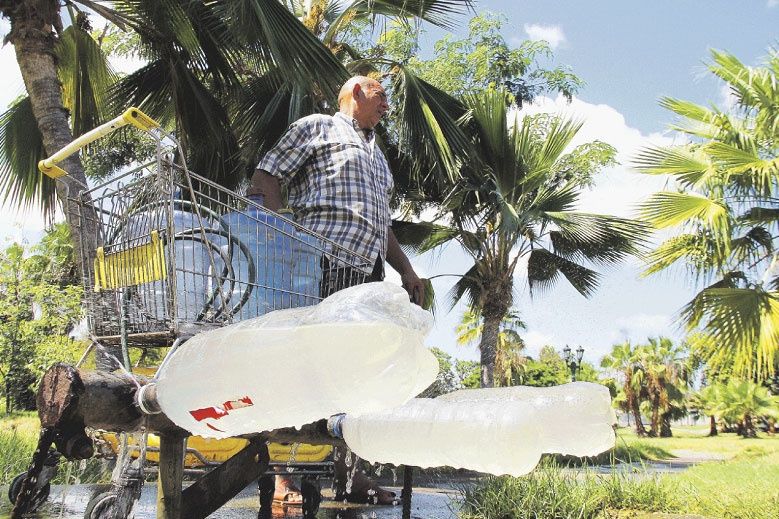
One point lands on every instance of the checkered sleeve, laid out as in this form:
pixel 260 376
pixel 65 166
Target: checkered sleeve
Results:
pixel 291 152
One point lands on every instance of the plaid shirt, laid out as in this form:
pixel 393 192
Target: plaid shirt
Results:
pixel 339 182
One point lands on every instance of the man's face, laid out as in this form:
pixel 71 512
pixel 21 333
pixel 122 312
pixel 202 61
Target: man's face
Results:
pixel 371 105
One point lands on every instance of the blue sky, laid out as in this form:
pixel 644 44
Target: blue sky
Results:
pixel 630 54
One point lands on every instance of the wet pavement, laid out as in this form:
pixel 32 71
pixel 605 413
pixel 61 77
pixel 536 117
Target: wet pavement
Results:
pixel 69 502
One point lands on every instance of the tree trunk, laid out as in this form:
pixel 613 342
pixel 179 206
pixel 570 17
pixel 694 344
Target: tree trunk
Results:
pixel 665 426
pixel 633 404
pixel 748 427
pixel 488 347
pixel 33 36
pixel 655 425
pixel 713 426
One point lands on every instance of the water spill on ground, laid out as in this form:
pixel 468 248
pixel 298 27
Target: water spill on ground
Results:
pixel 69 502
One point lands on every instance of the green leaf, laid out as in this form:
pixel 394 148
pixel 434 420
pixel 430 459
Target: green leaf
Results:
pixel 544 267
pixel 21 147
pixel 669 209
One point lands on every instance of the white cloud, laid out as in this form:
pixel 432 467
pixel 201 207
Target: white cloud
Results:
pixel 618 189
pixel 772 3
pixel 552 34
pixel 535 340
pixel 727 99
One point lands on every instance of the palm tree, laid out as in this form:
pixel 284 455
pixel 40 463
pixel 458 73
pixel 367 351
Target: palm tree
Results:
pixel 623 360
pixel 509 358
pixel 515 201
pixel 705 402
pixel 665 370
pixel 725 211
pixel 742 401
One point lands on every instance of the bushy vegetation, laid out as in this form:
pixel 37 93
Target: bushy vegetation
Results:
pixel 552 492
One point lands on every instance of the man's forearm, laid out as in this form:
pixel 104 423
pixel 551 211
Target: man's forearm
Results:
pixel 396 257
pixel 268 186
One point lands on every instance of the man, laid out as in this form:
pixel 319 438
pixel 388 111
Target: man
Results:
pixel 339 185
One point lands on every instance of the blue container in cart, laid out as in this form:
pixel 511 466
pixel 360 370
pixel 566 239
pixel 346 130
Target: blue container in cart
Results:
pixel 306 269
pixel 261 260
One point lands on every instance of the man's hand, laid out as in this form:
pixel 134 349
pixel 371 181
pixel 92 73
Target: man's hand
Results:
pixel 414 286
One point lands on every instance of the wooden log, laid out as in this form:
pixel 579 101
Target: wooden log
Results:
pixel 214 489
pixel 70 397
pixel 171 476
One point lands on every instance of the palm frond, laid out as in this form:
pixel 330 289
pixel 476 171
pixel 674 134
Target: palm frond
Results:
pixel 544 267
pixel 277 37
pixel 468 286
pixel 598 238
pixel 691 166
pixel 428 132
pixel 86 78
pixel 21 147
pixel 668 209
pixel 740 319
pixel 171 93
pixel 420 237
pixel 695 249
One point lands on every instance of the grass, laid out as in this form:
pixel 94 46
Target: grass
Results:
pixel 18 439
pixel 552 492
pixel 745 485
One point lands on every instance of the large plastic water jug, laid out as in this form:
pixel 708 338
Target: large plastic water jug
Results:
pixel 194 243
pixel 307 254
pixel 359 350
pixel 493 437
pixel 260 254
pixel 575 419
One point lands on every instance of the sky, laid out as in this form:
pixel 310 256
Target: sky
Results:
pixel 630 54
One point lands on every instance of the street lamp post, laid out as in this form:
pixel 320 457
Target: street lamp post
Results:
pixel 574 362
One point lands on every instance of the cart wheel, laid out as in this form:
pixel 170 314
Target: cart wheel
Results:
pixel 312 496
pixel 40 497
pixel 99 506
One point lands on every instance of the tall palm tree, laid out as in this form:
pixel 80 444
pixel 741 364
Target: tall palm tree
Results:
pixel 725 212
pixel 515 201
pixel 665 372
pixel 623 360
pixel 509 357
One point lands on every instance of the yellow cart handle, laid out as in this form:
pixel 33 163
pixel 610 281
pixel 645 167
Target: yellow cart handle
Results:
pixel 130 116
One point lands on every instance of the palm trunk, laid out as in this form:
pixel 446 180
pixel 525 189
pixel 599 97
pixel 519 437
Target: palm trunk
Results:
pixel 33 37
pixel 713 426
pixel 748 427
pixel 634 408
pixel 665 426
pixel 488 346
pixel 655 426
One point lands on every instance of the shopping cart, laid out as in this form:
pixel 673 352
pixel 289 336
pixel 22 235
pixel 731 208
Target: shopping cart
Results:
pixel 166 254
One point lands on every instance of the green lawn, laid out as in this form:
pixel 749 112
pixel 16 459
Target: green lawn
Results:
pixel 696 440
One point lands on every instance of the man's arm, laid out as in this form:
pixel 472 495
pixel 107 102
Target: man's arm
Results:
pixel 399 261
pixel 268 186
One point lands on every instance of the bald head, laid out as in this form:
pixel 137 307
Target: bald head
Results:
pixel 363 99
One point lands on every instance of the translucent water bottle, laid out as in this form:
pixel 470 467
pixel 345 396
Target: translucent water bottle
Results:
pixel 575 419
pixel 260 254
pixel 492 437
pixel 359 350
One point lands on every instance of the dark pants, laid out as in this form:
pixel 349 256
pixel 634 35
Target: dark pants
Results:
pixel 340 277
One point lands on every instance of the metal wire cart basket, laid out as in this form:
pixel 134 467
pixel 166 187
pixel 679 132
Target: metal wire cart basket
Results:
pixel 176 253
